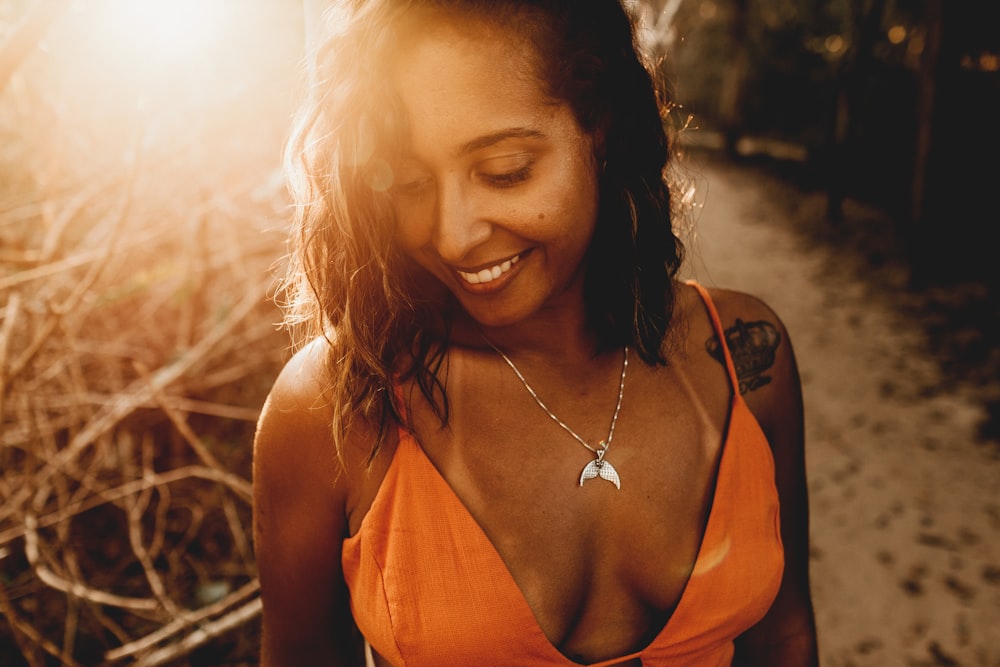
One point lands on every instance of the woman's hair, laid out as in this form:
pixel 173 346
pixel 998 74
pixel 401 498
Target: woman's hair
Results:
pixel 383 316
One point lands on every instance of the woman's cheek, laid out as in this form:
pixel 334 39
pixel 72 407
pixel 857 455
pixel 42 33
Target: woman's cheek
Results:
pixel 411 228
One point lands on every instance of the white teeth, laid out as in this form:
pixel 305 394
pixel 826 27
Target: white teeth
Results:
pixel 490 274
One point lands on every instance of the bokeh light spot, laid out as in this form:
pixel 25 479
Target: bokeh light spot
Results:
pixel 834 44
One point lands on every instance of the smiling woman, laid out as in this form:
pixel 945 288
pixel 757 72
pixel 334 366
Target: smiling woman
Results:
pixel 506 293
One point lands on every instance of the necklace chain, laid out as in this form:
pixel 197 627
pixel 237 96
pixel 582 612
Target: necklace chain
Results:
pixel 605 444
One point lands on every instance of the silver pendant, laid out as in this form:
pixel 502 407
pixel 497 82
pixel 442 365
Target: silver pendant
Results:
pixel 601 468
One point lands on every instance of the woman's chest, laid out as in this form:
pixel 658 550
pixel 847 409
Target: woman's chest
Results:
pixel 563 570
pixel 594 562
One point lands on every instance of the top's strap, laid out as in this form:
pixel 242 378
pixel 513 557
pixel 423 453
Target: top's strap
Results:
pixel 719 332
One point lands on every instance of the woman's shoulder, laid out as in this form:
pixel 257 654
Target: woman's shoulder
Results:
pixel 758 343
pixel 693 327
pixel 299 400
pixel 294 447
pixel 747 321
pixel 295 427
pixel 732 304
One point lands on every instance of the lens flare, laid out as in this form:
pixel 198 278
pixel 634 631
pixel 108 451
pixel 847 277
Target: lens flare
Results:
pixel 161 32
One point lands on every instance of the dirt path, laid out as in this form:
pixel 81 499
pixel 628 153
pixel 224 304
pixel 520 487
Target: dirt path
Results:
pixel 904 498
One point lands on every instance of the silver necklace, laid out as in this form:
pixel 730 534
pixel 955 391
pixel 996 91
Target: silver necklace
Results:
pixel 598 467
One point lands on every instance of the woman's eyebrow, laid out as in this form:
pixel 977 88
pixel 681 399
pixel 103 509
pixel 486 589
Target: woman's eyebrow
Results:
pixel 495 138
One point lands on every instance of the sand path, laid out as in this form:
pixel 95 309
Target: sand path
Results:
pixel 904 499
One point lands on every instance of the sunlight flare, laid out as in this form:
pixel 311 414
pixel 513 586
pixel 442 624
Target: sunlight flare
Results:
pixel 158 32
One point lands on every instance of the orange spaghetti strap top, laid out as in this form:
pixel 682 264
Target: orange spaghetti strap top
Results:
pixel 428 588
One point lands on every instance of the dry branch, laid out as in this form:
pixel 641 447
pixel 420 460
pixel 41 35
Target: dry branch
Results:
pixel 10 315
pixel 186 622
pixel 205 633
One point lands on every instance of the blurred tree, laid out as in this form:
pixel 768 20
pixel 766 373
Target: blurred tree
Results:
pixel 865 25
pixel 734 79
pixel 750 67
pixel 925 108
pixel 953 212
pixel 891 102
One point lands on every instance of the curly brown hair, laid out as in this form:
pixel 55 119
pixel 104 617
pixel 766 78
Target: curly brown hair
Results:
pixel 383 317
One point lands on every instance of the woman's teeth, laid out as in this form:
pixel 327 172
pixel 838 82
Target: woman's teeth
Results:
pixel 490 274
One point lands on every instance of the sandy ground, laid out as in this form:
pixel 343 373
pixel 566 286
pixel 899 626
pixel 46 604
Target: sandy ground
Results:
pixel 904 499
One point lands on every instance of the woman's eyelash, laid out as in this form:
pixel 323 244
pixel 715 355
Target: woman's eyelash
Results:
pixel 508 179
pixel 502 180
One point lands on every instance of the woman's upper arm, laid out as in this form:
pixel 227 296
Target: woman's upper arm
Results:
pixel 786 636
pixel 299 525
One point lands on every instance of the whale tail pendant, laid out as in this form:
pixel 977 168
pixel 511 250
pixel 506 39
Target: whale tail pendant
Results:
pixel 601 468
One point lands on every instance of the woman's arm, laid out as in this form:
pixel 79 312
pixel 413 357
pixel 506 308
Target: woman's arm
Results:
pixel 299 524
pixel 786 636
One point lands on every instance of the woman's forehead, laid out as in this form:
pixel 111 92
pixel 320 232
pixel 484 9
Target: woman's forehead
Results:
pixel 459 79
pixel 469 28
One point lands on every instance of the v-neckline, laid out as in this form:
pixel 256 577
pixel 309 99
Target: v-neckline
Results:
pixel 407 438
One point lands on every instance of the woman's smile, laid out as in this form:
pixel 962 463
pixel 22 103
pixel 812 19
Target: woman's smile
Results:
pixel 491 277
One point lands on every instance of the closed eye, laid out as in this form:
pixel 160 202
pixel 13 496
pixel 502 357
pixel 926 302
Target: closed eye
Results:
pixel 507 179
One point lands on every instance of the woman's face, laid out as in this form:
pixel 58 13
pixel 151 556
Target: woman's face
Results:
pixel 496 194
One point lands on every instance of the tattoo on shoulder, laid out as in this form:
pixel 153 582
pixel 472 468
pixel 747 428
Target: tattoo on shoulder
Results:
pixel 752 345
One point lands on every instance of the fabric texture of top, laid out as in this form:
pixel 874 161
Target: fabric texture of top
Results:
pixel 428 588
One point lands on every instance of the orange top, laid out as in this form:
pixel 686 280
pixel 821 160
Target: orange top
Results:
pixel 428 588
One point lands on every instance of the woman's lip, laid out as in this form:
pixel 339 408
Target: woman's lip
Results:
pixel 511 258
pixel 491 277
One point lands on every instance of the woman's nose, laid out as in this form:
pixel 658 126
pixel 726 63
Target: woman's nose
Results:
pixel 460 225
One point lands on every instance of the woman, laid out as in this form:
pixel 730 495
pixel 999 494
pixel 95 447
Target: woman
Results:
pixel 515 438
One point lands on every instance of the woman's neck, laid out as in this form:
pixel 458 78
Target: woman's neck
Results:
pixel 557 338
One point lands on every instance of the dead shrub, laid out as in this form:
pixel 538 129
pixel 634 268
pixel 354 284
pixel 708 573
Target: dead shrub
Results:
pixel 141 224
